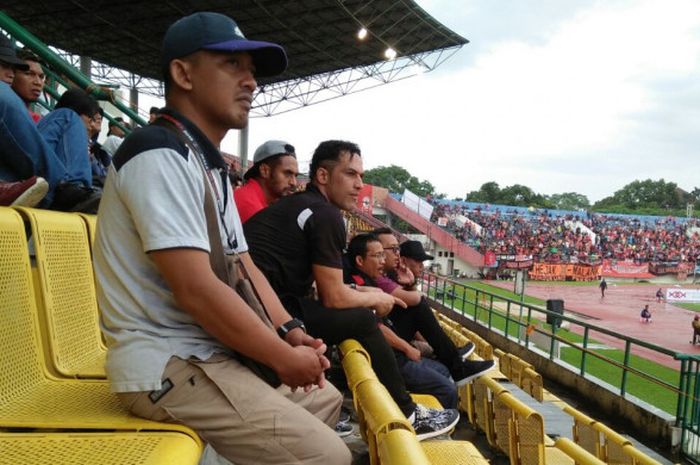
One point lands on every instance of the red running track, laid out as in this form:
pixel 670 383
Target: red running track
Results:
pixel 619 311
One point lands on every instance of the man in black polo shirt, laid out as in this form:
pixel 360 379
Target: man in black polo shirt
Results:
pixel 300 239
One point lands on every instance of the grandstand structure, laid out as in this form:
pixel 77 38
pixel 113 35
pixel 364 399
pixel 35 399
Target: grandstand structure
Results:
pixel 555 245
pixel 56 404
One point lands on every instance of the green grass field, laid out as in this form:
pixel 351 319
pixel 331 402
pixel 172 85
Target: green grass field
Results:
pixel 646 389
pixel 693 307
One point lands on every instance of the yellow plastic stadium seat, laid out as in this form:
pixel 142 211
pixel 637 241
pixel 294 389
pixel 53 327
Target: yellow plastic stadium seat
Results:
pixel 401 447
pixel 151 448
pixel 531 382
pixel 357 369
pixel 351 345
pixel 578 454
pixel 91 223
pixel 613 452
pixel 378 414
pixel 584 432
pixel 427 400
pixel 70 315
pixel 453 453
pixel 527 443
pixel 31 396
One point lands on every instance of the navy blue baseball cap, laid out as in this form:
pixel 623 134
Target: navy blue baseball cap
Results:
pixel 214 31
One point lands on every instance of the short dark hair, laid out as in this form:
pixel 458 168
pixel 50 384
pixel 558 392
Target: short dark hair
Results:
pixel 79 101
pixel 154 111
pixel 328 153
pixel 254 171
pixel 27 55
pixel 379 231
pixel 358 246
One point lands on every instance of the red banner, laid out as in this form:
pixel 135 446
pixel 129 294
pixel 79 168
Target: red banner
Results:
pixel 625 269
pixel 364 199
pixel 564 272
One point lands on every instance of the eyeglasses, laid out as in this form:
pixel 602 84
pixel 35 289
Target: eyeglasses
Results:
pixel 378 255
pixel 393 248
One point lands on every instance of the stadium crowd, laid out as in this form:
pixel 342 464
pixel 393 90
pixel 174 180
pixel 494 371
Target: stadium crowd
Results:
pixel 571 238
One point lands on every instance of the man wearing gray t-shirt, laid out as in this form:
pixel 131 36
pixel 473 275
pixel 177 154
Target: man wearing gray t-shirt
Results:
pixel 173 329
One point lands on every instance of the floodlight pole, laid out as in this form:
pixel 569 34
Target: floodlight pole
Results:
pixel 243 147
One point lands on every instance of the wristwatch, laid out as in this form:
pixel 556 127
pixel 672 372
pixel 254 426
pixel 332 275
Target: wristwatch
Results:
pixel 290 325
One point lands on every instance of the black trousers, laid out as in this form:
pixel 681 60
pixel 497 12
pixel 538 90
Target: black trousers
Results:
pixel 335 325
pixel 407 321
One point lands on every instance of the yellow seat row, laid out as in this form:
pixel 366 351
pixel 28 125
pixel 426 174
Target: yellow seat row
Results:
pixel 605 443
pixel 389 435
pixel 518 430
pixel 40 387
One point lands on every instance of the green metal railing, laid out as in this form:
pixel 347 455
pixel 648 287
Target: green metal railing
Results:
pixel 663 378
pixel 68 73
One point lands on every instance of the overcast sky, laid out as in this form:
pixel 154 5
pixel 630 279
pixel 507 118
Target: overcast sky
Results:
pixel 558 95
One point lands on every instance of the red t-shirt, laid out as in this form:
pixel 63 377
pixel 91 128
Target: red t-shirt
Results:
pixel 35 116
pixel 250 199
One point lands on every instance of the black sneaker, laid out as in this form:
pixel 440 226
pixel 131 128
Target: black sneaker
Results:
pixel 343 429
pixel 470 369
pixel 430 422
pixel 73 197
pixel 344 415
pixel 466 350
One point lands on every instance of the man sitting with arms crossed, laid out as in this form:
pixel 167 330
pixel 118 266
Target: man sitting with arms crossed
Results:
pixel 418 317
pixel 272 176
pixel 422 375
pixel 173 328
pixel 300 239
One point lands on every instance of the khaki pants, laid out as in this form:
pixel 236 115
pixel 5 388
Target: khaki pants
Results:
pixel 242 417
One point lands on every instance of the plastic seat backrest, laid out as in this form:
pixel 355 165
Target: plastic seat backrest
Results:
pixel 68 293
pixel 22 353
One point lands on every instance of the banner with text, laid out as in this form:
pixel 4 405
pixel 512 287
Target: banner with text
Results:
pixel 682 295
pixel 625 269
pixel 563 272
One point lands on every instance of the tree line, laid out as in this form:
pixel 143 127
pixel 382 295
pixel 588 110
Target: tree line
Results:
pixel 647 197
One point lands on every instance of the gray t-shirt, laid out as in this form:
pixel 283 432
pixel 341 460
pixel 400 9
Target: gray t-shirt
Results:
pixel 153 200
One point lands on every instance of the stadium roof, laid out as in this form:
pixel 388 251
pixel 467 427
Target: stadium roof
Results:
pixel 320 37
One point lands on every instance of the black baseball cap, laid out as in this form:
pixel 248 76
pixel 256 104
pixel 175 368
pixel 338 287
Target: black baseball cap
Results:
pixel 8 54
pixel 414 250
pixel 215 31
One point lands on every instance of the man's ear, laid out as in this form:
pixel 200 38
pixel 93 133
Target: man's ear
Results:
pixel 180 73
pixel 322 176
pixel 359 261
pixel 265 170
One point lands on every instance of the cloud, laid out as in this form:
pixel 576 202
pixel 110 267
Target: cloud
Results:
pixel 609 88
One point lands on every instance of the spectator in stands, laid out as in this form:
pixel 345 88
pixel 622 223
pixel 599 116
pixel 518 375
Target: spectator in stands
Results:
pixel 29 84
pixel 171 325
pixel 272 176
pixel 696 329
pixel 115 135
pixel 603 286
pixel 153 114
pixel 300 239
pixel 67 130
pixel 99 158
pixel 9 62
pixel 422 375
pixel 14 190
pixel 419 318
pixel 56 149
pixel 645 315
pixel 413 256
